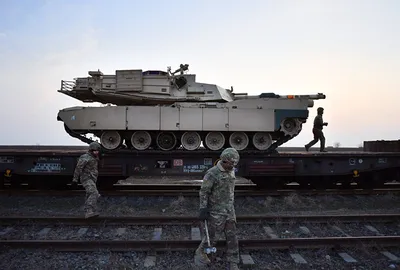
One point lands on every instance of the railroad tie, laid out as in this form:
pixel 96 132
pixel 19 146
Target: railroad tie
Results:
pixel 120 231
pixel 247 260
pixel 157 234
pixel 340 230
pixel 6 231
pixel 297 258
pixel 82 231
pixel 305 230
pixel 347 258
pixel 373 229
pixel 195 234
pixel 270 232
pixel 391 256
pixel 44 232
pixel 150 261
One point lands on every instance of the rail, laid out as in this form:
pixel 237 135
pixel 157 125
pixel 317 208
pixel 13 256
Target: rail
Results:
pixel 183 245
pixel 187 220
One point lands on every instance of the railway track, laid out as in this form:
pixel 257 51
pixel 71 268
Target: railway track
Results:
pixel 187 220
pixel 180 233
pixel 338 241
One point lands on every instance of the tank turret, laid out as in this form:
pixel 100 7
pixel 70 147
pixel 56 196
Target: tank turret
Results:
pixel 170 110
pixel 151 87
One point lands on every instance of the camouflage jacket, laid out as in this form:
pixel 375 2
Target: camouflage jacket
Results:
pixel 218 190
pixel 87 168
pixel 318 122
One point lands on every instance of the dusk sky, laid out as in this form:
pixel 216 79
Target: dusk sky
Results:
pixel 348 50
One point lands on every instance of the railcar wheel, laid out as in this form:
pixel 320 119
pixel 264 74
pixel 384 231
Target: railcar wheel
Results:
pixel 239 140
pixel 141 140
pixel 214 141
pixel 262 140
pixel 110 140
pixel 166 141
pixel 191 140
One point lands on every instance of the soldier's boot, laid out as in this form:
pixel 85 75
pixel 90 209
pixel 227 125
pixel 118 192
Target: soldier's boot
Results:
pixel 200 258
pixel 307 147
pixel 91 214
pixel 233 266
pixel 322 149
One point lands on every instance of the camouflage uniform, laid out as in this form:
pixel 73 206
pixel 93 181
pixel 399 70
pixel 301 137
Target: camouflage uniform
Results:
pixel 217 206
pixel 87 171
pixel 317 131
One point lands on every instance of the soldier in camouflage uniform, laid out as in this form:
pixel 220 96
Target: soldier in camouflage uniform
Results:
pixel 87 171
pixel 217 207
pixel 317 131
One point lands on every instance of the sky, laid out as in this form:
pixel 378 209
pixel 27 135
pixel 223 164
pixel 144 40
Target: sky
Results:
pixel 348 50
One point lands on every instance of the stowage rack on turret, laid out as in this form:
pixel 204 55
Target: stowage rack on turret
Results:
pixel 170 110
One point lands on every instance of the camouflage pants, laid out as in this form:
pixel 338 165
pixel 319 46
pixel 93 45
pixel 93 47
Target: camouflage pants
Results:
pixel 216 224
pixel 318 135
pixel 91 195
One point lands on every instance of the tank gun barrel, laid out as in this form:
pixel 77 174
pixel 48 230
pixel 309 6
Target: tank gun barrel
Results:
pixel 314 97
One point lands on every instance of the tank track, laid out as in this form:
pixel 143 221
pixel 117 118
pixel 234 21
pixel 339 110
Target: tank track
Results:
pixel 271 150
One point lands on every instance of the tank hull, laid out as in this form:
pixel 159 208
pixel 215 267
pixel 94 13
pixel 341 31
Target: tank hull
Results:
pixel 187 125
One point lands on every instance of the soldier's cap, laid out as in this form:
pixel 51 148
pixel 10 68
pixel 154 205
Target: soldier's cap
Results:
pixel 230 155
pixel 320 109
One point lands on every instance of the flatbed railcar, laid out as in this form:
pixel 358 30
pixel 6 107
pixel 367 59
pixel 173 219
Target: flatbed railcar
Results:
pixel 53 166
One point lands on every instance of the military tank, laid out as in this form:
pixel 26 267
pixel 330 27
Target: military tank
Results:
pixel 167 110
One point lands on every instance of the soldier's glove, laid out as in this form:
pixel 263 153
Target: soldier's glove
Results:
pixel 325 124
pixel 204 213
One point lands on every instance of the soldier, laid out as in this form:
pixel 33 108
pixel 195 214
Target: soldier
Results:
pixel 217 207
pixel 317 131
pixel 87 171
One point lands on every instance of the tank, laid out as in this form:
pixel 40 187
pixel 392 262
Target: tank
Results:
pixel 154 109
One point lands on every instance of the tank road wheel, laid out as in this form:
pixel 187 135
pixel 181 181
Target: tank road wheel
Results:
pixel 239 140
pixel 110 140
pixel 214 140
pixel 166 140
pixel 191 140
pixel 141 140
pixel 262 140
pixel 291 126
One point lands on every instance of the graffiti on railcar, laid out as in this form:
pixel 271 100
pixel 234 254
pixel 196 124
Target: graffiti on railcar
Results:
pixel 195 168
pixel 7 160
pixel 40 167
pixel 48 159
pixel 140 168
pixel 382 160
pixel 208 162
pixel 47 165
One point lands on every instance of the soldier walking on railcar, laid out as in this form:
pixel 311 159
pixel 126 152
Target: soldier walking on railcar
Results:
pixel 217 207
pixel 317 131
pixel 87 172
